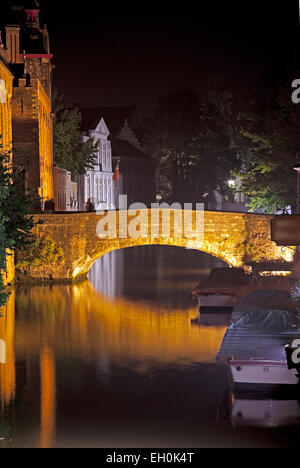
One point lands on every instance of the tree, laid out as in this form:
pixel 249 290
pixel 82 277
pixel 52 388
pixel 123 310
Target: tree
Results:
pixel 15 208
pixel 70 151
pixel 3 293
pixel 190 136
pixel 41 252
pixel 270 142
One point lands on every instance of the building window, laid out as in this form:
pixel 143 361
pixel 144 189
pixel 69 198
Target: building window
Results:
pixel 88 187
pixel 104 154
pixel 32 16
pixel 101 189
pixel 97 190
pixel 105 190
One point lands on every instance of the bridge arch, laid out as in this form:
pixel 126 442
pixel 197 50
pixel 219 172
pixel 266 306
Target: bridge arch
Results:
pixel 235 238
pixel 84 267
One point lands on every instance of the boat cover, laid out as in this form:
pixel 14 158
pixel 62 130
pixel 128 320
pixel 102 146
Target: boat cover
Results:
pixel 262 324
pixel 225 280
pixel 279 283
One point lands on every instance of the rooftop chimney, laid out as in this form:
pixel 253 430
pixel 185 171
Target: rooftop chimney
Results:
pixel 33 18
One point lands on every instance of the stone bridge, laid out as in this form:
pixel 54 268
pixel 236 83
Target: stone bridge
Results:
pixel 238 239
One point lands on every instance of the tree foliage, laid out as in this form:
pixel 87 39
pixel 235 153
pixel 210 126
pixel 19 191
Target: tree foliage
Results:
pixel 15 208
pixel 3 293
pixel 191 137
pixel 270 143
pixel 70 151
pixel 40 253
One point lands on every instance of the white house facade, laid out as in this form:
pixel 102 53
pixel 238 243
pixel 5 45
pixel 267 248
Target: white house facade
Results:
pixel 96 188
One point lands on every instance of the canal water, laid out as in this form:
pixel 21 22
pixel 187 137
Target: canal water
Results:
pixel 125 360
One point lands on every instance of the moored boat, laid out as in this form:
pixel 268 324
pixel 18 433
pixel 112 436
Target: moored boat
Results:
pixel 218 290
pixel 254 344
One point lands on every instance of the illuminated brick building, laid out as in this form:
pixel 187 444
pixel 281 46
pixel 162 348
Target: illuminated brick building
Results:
pixel 6 87
pixel 25 45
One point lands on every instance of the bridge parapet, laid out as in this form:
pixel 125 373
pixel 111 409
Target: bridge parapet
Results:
pixel 239 239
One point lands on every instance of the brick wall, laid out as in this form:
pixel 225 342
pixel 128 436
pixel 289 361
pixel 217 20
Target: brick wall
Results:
pixel 65 191
pixel 6 141
pixel 32 136
pixel 5 106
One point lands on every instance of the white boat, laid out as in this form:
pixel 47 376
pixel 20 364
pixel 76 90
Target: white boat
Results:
pixel 254 345
pixel 224 288
pixel 262 372
pixel 218 290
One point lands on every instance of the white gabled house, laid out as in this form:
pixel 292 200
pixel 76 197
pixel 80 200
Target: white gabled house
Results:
pixel 96 186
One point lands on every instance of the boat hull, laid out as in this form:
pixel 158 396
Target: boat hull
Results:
pixel 263 373
pixel 219 302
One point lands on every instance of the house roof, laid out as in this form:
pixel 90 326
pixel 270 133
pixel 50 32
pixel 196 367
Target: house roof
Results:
pixel 113 116
pixel 26 4
pixel 124 149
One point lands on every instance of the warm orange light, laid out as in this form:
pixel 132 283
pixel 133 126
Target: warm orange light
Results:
pixel 97 323
pixel 275 273
pixel 48 397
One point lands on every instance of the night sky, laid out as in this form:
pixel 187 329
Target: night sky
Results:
pixel 111 53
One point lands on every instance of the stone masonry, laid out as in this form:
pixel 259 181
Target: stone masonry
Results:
pixel 239 239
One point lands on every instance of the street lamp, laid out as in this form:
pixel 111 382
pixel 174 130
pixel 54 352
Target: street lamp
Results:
pixel 297 169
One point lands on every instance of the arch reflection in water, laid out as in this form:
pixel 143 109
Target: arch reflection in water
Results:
pixel 156 274
pixel 107 275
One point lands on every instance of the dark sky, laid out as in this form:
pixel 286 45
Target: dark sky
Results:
pixel 116 53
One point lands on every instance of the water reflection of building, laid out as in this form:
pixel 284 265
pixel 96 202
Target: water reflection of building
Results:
pixel 48 397
pixel 7 367
pixel 107 274
pixel 119 328
pixel 2 352
pixel 52 346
